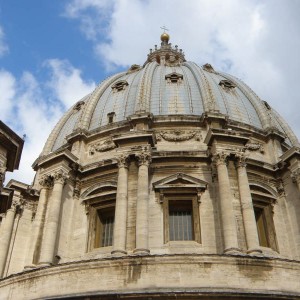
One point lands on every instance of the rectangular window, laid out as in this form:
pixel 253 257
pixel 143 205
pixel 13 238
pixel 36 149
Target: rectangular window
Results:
pixel 104 227
pixel 265 225
pixel 181 219
pixel 261 226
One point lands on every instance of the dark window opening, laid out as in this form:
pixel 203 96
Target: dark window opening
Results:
pixel 104 230
pixel 265 226
pixel 181 220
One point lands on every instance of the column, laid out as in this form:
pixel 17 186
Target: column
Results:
pixel 2 177
pixel 5 238
pixel 120 227
pixel 38 223
pixel 226 197
pixel 296 177
pixel 247 207
pixel 52 221
pixel 144 159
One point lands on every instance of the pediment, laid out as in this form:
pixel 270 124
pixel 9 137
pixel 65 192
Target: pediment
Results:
pixel 180 180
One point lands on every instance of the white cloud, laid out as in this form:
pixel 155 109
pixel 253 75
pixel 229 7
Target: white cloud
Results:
pixel 257 41
pixel 36 107
pixel 67 83
pixel 3 45
pixel 7 88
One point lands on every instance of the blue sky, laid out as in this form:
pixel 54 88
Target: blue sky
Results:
pixel 52 53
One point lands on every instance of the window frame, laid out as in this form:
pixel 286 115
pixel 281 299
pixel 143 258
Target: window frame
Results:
pixel 195 215
pixel 97 198
pixel 95 230
pixel 264 203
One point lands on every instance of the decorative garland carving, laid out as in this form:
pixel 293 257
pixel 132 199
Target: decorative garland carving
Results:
pixel 179 135
pixel 102 146
pixel 255 147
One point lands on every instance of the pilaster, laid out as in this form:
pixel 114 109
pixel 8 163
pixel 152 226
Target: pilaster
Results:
pixel 144 160
pixel 46 183
pixel 52 222
pixel 226 197
pixel 120 228
pixel 247 206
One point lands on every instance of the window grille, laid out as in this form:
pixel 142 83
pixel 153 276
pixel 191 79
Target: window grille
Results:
pixel 107 231
pixel 181 221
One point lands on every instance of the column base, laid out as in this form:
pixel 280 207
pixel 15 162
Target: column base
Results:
pixel 30 267
pixel 141 251
pixel 117 253
pixel 232 250
pixel 44 264
pixel 255 251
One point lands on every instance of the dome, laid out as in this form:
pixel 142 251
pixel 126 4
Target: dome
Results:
pixel 169 181
pixel 167 84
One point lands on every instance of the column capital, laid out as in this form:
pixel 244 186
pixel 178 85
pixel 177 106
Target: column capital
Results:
pixel 46 181
pixel 60 176
pixel 123 161
pixel 241 160
pixel 77 188
pixel 144 158
pixel 2 176
pixel 296 175
pixel 220 158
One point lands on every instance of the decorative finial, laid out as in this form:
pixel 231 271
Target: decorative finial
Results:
pixel 164 37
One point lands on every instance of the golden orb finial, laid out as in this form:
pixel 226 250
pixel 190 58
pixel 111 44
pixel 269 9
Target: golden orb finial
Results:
pixel 164 37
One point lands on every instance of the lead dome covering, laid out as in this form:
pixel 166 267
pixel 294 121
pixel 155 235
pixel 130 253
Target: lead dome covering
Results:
pixel 167 84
